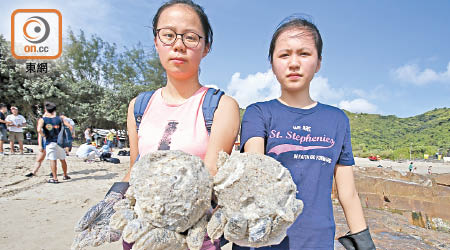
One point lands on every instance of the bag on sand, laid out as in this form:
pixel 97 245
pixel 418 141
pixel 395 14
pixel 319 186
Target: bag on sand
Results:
pixel 104 156
pixel 112 160
pixel 124 153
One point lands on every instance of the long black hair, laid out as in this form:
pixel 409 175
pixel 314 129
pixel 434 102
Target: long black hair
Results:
pixel 296 21
pixel 200 12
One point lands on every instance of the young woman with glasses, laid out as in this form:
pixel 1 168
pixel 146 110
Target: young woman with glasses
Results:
pixel 183 37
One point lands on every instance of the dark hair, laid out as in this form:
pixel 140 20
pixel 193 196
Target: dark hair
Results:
pixel 197 8
pixel 50 107
pixel 2 105
pixel 296 21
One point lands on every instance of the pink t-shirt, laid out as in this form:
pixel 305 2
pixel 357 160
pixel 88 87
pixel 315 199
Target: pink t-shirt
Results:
pixel 174 127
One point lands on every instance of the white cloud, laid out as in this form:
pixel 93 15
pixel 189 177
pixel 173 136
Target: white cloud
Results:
pixel 360 92
pixel 358 105
pixel 212 86
pixel 264 86
pixel 322 91
pixel 254 88
pixel 412 73
pixel 378 92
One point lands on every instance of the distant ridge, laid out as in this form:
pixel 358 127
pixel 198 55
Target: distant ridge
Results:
pixel 393 136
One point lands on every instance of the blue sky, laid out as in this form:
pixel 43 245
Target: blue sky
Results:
pixel 384 57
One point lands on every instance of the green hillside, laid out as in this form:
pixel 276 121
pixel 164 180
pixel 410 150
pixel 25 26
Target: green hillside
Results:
pixel 393 137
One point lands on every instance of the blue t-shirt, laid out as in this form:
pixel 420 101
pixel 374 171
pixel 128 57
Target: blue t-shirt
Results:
pixel 51 128
pixel 308 142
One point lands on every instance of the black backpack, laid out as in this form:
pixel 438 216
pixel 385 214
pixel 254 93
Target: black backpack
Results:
pixel 104 156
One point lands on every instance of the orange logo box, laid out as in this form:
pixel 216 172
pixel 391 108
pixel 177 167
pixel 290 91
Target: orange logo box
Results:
pixel 36 34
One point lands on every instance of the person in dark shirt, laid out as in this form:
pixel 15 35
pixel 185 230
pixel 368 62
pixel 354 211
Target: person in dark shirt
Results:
pixel 3 124
pixel 48 127
pixel 311 139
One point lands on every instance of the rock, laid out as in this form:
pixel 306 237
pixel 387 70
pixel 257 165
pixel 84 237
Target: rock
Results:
pixel 413 192
pixel 257 200
pixel 443 179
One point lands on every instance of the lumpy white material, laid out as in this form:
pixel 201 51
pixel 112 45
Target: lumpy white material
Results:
pixel 169 196
pixel 257 200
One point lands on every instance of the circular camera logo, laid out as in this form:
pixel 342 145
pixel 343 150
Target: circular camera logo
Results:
pixel 36 29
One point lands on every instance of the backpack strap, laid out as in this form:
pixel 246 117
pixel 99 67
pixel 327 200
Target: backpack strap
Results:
pixel 209 106
pixel 140 105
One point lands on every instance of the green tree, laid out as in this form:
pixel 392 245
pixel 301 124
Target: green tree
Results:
pixel 28 90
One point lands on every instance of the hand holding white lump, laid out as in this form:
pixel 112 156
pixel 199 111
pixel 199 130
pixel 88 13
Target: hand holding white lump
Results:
pixel 169 194
pixel 256 198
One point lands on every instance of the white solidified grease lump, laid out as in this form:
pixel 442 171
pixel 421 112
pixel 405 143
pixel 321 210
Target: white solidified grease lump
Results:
pixel 257 200
pixel 169 193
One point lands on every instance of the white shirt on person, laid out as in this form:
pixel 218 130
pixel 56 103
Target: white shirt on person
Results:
pixel 16 120
pixel 84 150
pixel 70 121
pixel 87 134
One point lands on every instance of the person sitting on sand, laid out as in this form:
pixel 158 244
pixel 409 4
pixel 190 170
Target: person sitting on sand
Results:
pixel 3 128
pixel 88 152
pixel 105 149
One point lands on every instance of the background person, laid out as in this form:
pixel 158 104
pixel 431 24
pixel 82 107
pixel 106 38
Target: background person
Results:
pixel 88 152
pixel 28 137
pixel 39 157
pixel 15 127
pixel 110 139
pixel 88 135
pixel 49 127
pixel 70 133
pixel 3 126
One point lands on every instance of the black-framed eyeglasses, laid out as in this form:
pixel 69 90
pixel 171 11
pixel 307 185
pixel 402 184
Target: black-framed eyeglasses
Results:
pixel 168 37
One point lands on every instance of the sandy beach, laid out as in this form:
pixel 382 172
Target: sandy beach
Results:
pixel 39 215
pixel 422 166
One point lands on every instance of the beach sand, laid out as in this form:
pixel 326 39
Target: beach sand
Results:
pixel 39 215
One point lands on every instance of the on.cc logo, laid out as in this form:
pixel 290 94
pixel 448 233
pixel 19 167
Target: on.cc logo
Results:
pixel 36 34
pixel 37 25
